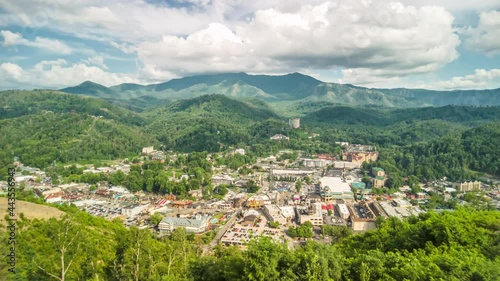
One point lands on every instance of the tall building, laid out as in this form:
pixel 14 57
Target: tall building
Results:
pixel 294 123
pixel 467 186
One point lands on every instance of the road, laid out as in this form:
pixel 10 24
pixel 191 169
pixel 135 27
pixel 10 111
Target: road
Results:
pixel 221 232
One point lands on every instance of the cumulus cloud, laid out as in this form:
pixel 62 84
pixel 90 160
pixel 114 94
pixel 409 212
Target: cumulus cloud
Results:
pixel 16 39
pixel 486 35
pixel 374 42
pixel 481 79
pixel 59 73
pixel 384 36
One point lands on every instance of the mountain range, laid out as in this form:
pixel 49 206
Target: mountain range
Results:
pixel 290 94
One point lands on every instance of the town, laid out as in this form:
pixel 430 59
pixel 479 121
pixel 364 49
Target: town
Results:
pixel 290 197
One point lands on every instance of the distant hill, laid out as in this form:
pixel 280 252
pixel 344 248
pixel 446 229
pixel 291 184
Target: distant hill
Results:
pixel 90 88
pixel 339 115
pixel 19 103
pixel 40 127
pixel 284 92
pixel 208 122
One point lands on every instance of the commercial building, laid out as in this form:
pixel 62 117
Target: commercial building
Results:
pixel 196 225
pixel 467 186
pixel 278 174
pixel 343 211
pixel 313 215
pixel 134 209
pixel 334 188
pixel 274 214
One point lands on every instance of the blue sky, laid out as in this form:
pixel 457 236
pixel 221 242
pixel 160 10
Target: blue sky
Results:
pixel 410 43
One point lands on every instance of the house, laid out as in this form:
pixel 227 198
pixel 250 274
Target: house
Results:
pixel 197 225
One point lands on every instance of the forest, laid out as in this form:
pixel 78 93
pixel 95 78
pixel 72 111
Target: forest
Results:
pixel 43 128
pixel 459 245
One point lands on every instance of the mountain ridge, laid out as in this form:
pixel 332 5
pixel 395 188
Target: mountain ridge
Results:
pixel 290 89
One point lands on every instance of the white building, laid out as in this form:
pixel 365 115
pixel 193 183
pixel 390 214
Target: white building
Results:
pixel 147 150
pixel 239 151
pixel 197 225
pixel 134 210
pixel 274 214
pixel 343 211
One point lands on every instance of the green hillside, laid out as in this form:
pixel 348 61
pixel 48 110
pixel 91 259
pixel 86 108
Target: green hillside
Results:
pixel 41 127
pixel 206 123
pixel 20 103
pixel 342 115
pixel 459 245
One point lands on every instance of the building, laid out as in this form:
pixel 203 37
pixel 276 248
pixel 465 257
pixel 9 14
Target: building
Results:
pixel 239 151
pixel 313 215
pixel 294 123
pixel 315 163
pixel 343 211
pixel 134 209
pixel 147 150
pixel 257 201
pixel 196 193
pixel 334 188
pixel 196 225
pixel 379 181
pixel 467 186
pixel 223 179
pixel 279 137
pixel 294 175
pixel 54 197
pixel 274 214
pixel 378 172
pixel 360 157
pixel 249 220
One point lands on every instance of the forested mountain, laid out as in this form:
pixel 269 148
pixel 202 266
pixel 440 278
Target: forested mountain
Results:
pixel 459 245
pixel 343 115
pixel 41 127
pixel 286 92
pixel 20 103
pixel 45 126
pixel 208 122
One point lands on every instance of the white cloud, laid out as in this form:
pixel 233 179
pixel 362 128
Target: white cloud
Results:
pixel 58 74
pixel 389 37
pixel 481 79
pixel 11 70
pixel 376 43
pixel 486 36
pixel 96 61
pixel 16 39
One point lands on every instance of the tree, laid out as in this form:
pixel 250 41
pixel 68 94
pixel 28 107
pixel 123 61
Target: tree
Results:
pixel 156 218
pixel 298 185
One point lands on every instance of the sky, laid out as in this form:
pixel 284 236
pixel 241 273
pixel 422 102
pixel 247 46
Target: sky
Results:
pixel 442 45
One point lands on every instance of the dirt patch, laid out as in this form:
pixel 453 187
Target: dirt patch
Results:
pixel 30 210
